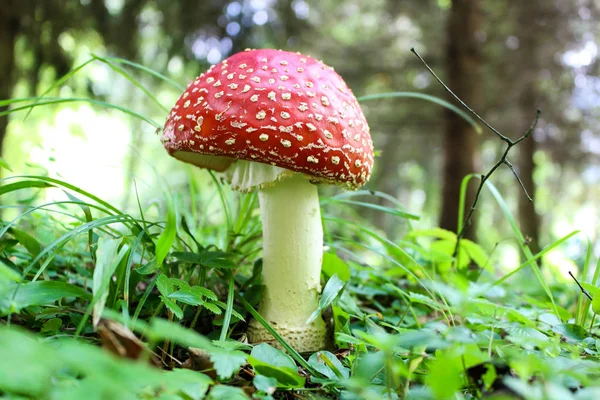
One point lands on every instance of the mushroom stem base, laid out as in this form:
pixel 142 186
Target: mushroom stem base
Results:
pixel 307 338
pixel 292 256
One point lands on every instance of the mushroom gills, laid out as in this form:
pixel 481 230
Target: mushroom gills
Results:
pixel 215 163
pixel 246 176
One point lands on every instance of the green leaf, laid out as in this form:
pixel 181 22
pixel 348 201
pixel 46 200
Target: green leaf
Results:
pixel 329 365
pixel 11 187
pixel 332 289
pixel 222 392
pixel 171 305
pixel 217 259
pixel 107 260
pixel 265 384
pixel 422 299
pixel 444 376
pixel 437 233
pixel 596 304
pixel 476 253
pixel 187 297
pixel 165 285
pixel 38 293
pixel 268 361
pixel 4 164
pixel 573 332
pixel 202 291
pixel 212 308
pixel 167 237
pixel 211 259
pixel 333 265
pixel 28 241
pixel 227 362
pixel 52 325
pixel 192 384
pixel 161 329
pixel 9 274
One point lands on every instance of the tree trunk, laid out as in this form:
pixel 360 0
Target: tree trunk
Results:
pixel 461 143
pixel 528 30
pixel 9 27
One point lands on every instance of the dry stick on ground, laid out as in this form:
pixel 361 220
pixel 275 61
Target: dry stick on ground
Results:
pixel 503 160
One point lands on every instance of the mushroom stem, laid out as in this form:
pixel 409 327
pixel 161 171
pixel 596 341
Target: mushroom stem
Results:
pixel 292 256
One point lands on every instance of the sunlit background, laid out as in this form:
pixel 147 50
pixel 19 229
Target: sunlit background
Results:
pixel 553 59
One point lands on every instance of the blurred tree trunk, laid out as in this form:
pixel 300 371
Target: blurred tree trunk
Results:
pixel 9 27
pixel 529 39
pixel 461 143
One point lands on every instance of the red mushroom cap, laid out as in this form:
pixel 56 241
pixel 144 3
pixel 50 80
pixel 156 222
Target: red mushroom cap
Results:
pixel 274 107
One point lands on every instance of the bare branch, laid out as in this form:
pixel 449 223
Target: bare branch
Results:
pixel 503 160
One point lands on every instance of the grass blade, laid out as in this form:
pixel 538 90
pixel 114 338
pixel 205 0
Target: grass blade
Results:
pixel 426 97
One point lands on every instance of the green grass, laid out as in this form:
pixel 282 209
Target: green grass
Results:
pixel 172 296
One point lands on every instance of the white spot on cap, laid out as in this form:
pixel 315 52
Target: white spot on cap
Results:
pixel 311 127
pixel 199 122
pixel 357 163
pixel 285 115
pixel 246 88
pixel 308 84
pixel 333 120
pixel 300 69
pixel 263 137
pixel 271 96
pixel 250 130
pixel 233 86
pixel 180 127
pixel 286 96
pixel 303 106
pixel 335 160
pixel 312 159
pixel 271 81
pixel 324 100
pixel 243 65
pixel 286 143
pixel 186 104
pixel 261 114
pixel 230 76
pixel 318 117
pixel 242 76
pixel 255 79
pixel 237 124
pixel 230 142
pixel 283 62
pixel 327 134
pixel 217 83
pixel 210 79
pixel 284 77
pixel 254 98
pixel 219 94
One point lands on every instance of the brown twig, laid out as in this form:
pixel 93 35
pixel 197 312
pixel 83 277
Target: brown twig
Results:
pixel 587 294
pixel 503 160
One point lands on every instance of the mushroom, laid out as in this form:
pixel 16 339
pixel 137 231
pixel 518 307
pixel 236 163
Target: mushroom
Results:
pixel 278 122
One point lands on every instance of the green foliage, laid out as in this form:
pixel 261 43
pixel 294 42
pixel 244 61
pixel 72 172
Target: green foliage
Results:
pixel 411 318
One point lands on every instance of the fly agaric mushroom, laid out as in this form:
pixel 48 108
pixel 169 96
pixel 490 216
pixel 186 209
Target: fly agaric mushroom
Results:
pixel 278 122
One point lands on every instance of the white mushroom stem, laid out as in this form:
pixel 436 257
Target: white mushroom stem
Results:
pixel 292 256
